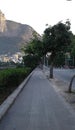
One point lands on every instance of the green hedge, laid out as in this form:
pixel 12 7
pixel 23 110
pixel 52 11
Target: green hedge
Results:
pixel 12 77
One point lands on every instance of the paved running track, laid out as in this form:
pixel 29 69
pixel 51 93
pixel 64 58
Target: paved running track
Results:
pixel 39 107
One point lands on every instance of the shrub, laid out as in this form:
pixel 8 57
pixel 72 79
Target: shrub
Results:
pixel 12 77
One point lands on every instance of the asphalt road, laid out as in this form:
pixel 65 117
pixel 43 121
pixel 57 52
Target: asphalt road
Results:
pixel 39 107
pixel 63 74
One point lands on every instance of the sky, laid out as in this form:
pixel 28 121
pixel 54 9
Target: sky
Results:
pixel 38 13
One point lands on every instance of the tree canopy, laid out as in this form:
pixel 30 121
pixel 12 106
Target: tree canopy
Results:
pixel 33 51
pixel 57 38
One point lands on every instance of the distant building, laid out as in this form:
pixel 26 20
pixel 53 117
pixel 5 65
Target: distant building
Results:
pixel 6 59
pixel 16 58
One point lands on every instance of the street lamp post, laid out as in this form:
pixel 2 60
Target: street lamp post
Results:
pixel 48 56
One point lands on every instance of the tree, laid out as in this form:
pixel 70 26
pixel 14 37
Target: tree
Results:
pixel 59 60
pixel 56 39
pixel 72 48
pixel 31 61
pixel 33 51
pixel 70 85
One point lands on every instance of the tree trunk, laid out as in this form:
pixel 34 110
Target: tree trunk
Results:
pixel 51 70
pixel 70 86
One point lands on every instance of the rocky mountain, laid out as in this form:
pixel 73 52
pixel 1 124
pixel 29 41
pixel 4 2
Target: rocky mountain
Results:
pixel 13 35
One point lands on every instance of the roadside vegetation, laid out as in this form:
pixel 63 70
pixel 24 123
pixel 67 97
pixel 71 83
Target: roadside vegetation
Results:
pixel 57 40
pixel 10 80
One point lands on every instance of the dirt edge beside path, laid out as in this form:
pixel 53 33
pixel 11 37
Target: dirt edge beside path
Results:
pixel 62 88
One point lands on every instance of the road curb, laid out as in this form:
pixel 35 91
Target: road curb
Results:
pixel 9 101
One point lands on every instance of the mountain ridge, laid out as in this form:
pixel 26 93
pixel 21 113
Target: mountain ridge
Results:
pixel 14 35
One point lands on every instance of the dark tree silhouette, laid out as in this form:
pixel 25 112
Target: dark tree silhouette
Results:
pixel 56 40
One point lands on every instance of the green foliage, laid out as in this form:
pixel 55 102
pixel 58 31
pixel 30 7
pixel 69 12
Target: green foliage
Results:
pixel 12 77
pixel 57 38
pixel 31 61
pixel 72 47
pixel 35 47
pixel 34 52
pixel 59 60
